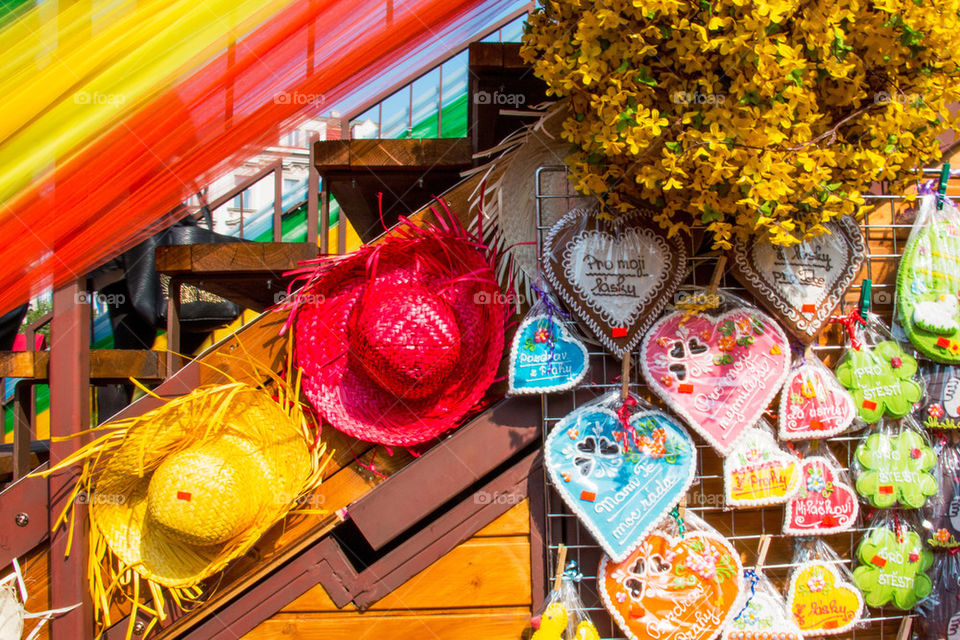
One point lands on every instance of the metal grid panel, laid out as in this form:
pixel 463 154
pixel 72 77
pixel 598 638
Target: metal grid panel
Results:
pixel 885 230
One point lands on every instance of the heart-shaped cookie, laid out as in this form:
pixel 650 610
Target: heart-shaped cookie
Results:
pixel 763 617
pixel 821 602
pixel 673 588
pixel 813 404
pixel 718 373
pixel 893 568
pixel 615 275
pixel 757 472
pixel 802 284
pixel 822 505
pixel 619 495
pixel 545 358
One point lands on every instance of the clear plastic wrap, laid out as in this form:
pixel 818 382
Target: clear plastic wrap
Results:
pixel 941 514
pixel 684 581
pixel 940 406
pixel 620 465
pixel 893 562
pixel 826 502
pixel 928 281
pixel 763 613
pixel 821 594
pixel 941 611
pixel 563 616
pixel 879 373
pixel 813 404
pixel 895 464
pixel 717 362
pixel 547 354
pixel 757 472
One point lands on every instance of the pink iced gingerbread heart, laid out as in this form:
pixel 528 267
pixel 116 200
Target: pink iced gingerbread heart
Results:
pixel 814 405
pixel 718 373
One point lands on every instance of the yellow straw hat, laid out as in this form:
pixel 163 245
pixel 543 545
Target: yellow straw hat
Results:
pixel 177 493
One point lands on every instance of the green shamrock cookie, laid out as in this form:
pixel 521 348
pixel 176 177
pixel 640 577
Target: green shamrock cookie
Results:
pixel 896 467
pixel 893 569
pixel 879 379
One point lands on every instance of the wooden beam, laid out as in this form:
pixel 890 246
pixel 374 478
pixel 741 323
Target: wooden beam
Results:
pixel 69 416
pixel 106 365
pixel 419 154
pixel 269 259
pixel 446 470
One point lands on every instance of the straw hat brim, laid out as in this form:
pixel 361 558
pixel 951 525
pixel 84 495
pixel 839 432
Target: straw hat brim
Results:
pixel 273 445
pixel 344 394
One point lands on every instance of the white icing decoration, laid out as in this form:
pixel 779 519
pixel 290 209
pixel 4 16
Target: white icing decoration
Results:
pixel 837 582
pixel 819 285
pixel 937 316
pixel 768 453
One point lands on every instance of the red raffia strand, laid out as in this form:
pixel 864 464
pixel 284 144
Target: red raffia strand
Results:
pixel 628 436
pixel 124 185
pixel 896 525
pixel 850 321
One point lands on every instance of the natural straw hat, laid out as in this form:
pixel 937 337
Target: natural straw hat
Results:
pixel 399 340
pixel 178 492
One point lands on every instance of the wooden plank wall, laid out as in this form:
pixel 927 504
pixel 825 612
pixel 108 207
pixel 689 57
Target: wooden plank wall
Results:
pixel 480 589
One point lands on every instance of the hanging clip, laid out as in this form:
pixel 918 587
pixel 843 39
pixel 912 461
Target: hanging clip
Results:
pixel 866 292
pixel 942 185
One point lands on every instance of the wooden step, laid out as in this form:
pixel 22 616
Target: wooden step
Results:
pixel 248 273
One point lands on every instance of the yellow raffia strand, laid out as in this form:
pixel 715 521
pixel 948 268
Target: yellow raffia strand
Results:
pixel 750 118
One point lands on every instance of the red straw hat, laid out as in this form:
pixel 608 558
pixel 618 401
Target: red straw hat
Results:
pixel 399 340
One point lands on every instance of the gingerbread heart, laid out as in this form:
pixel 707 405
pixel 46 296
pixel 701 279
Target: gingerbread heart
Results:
pixel 821 602
pixel 673 588
pixel 758 473
pixel 545 358
pixel 822 505
pixel 619 495
pixel 802 284
pixel 614 275
pixel 718 373
pixel 763 617
pixel 813 404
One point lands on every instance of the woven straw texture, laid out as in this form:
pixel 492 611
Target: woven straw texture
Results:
pixel 400 340
pixel 195 483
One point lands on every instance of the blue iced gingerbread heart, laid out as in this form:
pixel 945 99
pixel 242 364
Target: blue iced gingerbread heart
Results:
pixel 619 494
pixel 545 358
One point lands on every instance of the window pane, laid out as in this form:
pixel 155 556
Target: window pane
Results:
pixel 396 115
pixel 426 103
pixel 453 121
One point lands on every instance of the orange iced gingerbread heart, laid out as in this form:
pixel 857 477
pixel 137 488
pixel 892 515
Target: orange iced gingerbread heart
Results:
pixel 821 602
pixel 673 588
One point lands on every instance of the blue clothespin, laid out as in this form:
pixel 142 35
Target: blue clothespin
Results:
pixel 942 186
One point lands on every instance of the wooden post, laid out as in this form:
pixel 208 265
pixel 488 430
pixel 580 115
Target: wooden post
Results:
pixel 313 191
pixel 22 431
pixel 69 414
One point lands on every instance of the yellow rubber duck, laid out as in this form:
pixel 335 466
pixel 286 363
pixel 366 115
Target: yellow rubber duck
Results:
pixel 553 623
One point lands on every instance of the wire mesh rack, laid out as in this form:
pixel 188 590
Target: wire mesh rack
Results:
pixel 885 231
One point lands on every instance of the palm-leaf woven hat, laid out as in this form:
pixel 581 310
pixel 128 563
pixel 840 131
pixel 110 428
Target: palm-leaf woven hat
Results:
pixel 399 340
pixel 177 493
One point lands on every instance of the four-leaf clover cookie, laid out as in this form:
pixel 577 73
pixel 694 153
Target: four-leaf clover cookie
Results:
pixel 879 379
pixel 896 467
pixel 893 568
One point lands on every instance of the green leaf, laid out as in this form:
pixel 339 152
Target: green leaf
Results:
pixel 675 147
pixel 624 65
pixel 643 77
